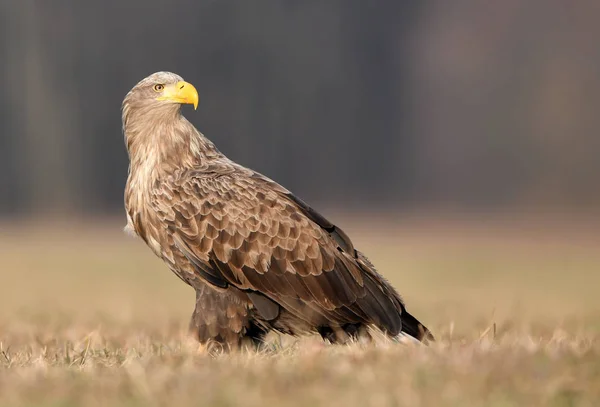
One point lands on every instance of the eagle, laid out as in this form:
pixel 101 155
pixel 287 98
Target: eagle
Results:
pixel 259 258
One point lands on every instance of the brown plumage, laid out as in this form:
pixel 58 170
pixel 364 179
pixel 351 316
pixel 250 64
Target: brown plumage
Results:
pixel 258 257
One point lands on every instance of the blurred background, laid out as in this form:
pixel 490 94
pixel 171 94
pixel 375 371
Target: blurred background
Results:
pixel 396 104
pixel 386 116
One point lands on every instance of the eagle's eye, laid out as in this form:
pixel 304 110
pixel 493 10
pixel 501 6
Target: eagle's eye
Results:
pixel 159 87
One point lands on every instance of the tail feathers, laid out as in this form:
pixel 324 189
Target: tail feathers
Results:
pixel 412 327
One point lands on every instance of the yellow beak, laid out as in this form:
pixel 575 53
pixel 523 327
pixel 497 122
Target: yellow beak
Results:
pixel 181 92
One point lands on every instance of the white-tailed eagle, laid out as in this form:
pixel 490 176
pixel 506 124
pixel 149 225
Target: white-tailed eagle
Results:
pixel 259 258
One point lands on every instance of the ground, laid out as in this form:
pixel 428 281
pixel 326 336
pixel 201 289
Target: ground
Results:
pixel 89 317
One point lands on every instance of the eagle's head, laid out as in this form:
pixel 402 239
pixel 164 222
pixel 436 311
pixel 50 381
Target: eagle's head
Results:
pixel 159 94
pixel 157 136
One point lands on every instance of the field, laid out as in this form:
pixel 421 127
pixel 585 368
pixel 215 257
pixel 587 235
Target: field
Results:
pixel 89 317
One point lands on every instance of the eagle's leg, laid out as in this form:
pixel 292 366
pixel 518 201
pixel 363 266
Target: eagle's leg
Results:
pixel 327 333
pixel 359 333
pixel 345 334
pixel 254 337
pixel 252 340
pixel 222 321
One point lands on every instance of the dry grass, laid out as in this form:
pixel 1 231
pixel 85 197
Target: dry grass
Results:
pixel 89 317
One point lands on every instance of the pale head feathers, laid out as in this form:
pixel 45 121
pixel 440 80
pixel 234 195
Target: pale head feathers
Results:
pixel 141 99
pixel 155 131
pixel 158 138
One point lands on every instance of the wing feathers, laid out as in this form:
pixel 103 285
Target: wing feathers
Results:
pixel 254 235
pixel 207 272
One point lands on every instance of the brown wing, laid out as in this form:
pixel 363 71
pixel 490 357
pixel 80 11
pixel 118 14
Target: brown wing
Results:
pixel 244 230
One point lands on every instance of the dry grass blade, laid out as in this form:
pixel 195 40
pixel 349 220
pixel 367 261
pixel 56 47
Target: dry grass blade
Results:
pixel 108 328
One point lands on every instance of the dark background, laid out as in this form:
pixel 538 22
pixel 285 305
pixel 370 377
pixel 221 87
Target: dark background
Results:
pixel 362 104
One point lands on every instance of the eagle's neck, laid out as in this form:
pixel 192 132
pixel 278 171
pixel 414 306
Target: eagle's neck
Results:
pixel 160 147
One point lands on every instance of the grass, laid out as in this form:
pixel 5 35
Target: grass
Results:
pixel 89 317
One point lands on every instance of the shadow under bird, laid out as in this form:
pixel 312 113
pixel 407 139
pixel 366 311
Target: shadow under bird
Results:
pixel 259 258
